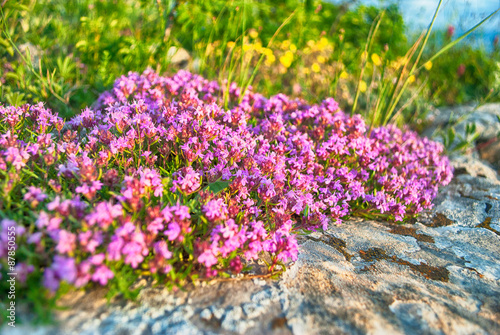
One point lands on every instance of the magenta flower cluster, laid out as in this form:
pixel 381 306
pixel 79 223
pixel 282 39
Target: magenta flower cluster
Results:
pixel 157 177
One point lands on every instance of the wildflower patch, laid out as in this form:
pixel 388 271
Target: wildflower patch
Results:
pixel 157 179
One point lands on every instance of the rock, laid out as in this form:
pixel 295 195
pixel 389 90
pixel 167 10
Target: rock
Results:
pixel 440 275
pixel 490 152
pixel 484 117
pixel 474 167
pixel 178 56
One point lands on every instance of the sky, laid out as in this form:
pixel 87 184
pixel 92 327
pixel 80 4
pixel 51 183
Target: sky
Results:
pixel 462 14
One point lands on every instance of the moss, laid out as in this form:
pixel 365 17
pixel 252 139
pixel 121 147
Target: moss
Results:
pixel 486 224
pixel 439 220
pixel 335 243
pixel 278 322
pixel 407 231
pixel 373 254
pixel 428 271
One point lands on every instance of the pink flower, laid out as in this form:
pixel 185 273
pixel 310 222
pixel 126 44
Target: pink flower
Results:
pixel 173 231
pixel 50 222
pixel 102 275
pixel 207 258
pixel 215 209
pixel 34 195
pixel 97 259
pixel 450 31
pixel 114 248
pixel 66 242
pixel 17 157
pixel 187 181
pixel 104 214
pixel 161 248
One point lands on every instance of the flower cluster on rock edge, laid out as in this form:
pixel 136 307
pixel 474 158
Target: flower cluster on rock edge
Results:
pixel 158 178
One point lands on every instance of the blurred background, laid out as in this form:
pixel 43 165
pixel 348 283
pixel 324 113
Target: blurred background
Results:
pixel 365 54
pixel 461 14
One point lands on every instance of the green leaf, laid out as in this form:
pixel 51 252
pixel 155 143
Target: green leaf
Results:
pixel 224 274
pixel 81 44
pixel 218 186
pixel 451 135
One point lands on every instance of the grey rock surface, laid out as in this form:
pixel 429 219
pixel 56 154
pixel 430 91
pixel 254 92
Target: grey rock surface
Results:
pixel 484 117
pixel 474 167
pixel 439 275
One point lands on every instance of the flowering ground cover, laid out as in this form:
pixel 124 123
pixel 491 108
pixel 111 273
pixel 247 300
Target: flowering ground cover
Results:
pixel 158 179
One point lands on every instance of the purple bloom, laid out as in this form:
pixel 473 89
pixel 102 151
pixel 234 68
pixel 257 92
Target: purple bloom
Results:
pixel 23 270
pixel 34 195
pixel 173 231
pixel 104 214
pixel 63 268
pixel 17 157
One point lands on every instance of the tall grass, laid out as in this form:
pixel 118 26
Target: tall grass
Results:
pixel 310 50
pixel 388 105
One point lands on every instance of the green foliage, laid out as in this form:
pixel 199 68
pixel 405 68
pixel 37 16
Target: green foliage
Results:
pixel 218 186
pixel 356 25
pixel 66 52
pixel 465 74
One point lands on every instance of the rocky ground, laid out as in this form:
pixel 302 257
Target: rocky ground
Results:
pixel 439 275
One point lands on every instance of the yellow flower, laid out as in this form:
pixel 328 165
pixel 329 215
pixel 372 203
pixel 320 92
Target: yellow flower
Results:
pixel 285 44
pixel 315 67
pixel 321 59
pixel 247 47
pixel 293 47
pixel 376 60
pixel 287 59
pixel 253 33
pixel 258 46
pixel 343 75
pixel 323 43
pixel 411 79
pixel 307 70
pixel 270 59
pixel 428 65
pixel 230 44
pixel 362 86
pixel 266 51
